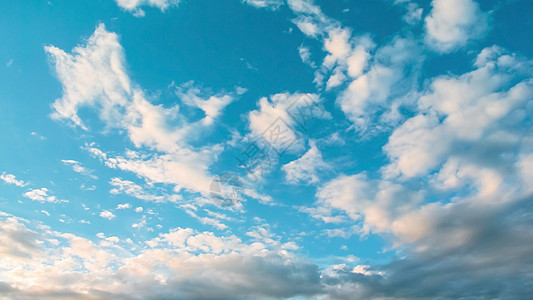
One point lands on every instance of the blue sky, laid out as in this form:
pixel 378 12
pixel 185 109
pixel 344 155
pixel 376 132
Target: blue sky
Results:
pixel 266 149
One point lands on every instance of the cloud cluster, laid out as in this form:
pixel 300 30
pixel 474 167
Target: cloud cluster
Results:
pixel 182 264
pixel 134 6
pixel 11 179
pixel 94 76
pixel 453 23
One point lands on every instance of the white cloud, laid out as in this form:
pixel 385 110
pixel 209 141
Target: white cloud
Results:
pixel 41 195
pixel 307 26
pixel 459 112
pixel 272 4
pixel 305 169
pixel 124 206
pixel 107 214
pixel 373 204
pixel 139 209
pixel 185 171
pixel 175 266
pixel 414 11
pixel 11 179
pixel 130 188
pixel 374 89
pixel 134 6
pixel 94 75
pixel 206 220
pixel 212 105
pixel 78 168
pixel 452 23
pixel 305 56
pixel 284 109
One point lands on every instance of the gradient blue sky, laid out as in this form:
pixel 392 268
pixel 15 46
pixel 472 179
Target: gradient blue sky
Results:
pixel 410 179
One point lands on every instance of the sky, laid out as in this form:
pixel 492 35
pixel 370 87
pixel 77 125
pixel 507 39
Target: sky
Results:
pixel 266 149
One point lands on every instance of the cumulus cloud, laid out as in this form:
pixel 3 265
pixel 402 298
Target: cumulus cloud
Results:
pixel 279 119
pixel 124 206
pixel 305 56
pixel 452 23
pixel 173 266
pixel 134 6
pixel 305 168
pixel 107 214
pixel 380 85
pixel 42 195
pixel 211 105
pixel 462 112
pixel 11 179
pixel 272 4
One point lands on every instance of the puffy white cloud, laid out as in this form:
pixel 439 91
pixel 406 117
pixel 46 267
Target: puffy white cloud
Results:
pixel 414 11
pixel 212 105
pixel 93 75
pixel 41 195
pixel 305 56
pixel 278 119
pixel 11 179
pixel 135 5
pixel 124 206
pixel 175 266
pixel 272 4
pixel 305 7
pixel 375 204
pixel 375 89
pixel 305 168
pixel 459 112
pixel 107 214
pixel 452 23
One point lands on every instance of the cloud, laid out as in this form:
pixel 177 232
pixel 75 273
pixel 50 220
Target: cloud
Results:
pixel 107 214
pixel 414 11
pixel 11 179
pixel 278 119
pixel 211 105
pixel 41 195
pixel 94 76
pixel 134 6
pixel 130 188
pixel 173 267
pixel 463 112
pixel 17 241
pixel 386 79
pixel 272 4
pixel 453 23
pixel 124 206
pixel 78 168
pixel 305 56
pixel 305 168
pixel 174 264
pixel 206 220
